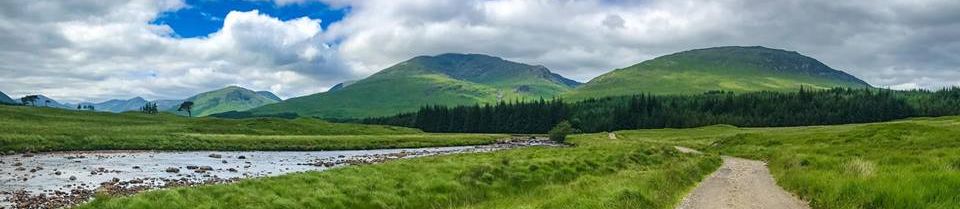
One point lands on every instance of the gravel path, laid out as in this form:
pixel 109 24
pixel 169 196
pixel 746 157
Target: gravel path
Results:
pixel 741 183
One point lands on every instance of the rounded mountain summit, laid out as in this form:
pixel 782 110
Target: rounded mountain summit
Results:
pixel 733 68
pixel 446 79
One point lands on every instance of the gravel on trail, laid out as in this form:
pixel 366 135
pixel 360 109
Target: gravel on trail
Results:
pixel 739 184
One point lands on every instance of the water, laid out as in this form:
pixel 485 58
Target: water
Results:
pixel 87 171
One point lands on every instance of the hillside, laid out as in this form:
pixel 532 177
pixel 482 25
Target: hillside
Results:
pixel 4 99
pixel 736 69
pixel 231 98
pixel 448 79
pixel 44 101
pixel 269 95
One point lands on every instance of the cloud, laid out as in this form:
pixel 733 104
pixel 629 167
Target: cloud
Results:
pixel 95 50
pixel 886 43
pixel 112 51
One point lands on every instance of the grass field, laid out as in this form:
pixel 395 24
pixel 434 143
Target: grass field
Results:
pixel 47 129
pixel 902 164
pixel 596 173
pixel 911 163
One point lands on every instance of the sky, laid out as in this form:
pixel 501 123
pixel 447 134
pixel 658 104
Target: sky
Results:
pixel 95 50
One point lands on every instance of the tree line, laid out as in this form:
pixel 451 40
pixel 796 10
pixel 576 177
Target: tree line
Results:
pixel 643 111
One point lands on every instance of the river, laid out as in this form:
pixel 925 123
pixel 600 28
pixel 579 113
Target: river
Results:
pixel 58 179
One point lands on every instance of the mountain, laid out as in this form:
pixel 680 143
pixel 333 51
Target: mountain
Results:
pixel 447 79
pixel 736 69
pixel 231 98
pixel 341 85
pixel 4 99
pixel 45 101
pixel 269 95
pixel 117 105
pixel 166 104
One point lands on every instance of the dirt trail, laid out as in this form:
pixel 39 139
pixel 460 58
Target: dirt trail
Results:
pixel 740 183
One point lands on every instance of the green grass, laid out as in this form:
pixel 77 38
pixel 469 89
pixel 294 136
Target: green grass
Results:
pixel 902 164
pixel 47 129
pixel 596 173
pixel 911 163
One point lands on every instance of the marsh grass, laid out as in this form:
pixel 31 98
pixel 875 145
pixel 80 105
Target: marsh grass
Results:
pixel 595 173
pixel 47 129
pixel 902 164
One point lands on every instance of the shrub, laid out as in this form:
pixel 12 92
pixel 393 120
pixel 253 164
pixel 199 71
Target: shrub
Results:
pixel 559 133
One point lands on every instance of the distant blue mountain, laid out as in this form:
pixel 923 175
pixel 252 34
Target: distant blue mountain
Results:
pixel 117 105
pixel 45 101
pixel 4 99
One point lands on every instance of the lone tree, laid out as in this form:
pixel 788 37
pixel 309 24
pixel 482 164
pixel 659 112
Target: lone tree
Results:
pixel 186 106
pixel 560 131
pixel 30 99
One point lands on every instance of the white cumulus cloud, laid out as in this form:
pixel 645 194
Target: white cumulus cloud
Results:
pixel 94 50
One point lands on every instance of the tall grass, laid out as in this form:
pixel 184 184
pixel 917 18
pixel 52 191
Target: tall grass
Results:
pixel 47 129
pixel 901 164
pixel 596 173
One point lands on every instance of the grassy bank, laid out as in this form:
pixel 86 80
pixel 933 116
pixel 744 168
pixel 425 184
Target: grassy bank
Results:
pixel 47 129
pixel 902 164
pixel 596 173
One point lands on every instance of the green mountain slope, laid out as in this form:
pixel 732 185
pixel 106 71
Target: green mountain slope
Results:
pixel 737 69
pixel 448 79
pixel 231 98
pixel 269 95
pixel 4 99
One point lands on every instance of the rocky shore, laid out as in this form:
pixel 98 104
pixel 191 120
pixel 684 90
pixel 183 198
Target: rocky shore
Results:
pixel 65 181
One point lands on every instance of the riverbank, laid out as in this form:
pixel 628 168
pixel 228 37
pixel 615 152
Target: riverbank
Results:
pixel 29 129
pixel 51 180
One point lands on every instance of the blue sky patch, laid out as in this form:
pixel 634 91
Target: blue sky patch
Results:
pixel 203 17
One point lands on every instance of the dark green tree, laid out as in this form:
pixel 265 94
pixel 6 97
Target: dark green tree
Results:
pixel 188 107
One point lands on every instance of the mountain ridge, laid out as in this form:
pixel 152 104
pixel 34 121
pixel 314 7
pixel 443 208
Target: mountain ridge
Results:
pixel 731 68
pixel 445 79
pixel 4 99
pixel 230 98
